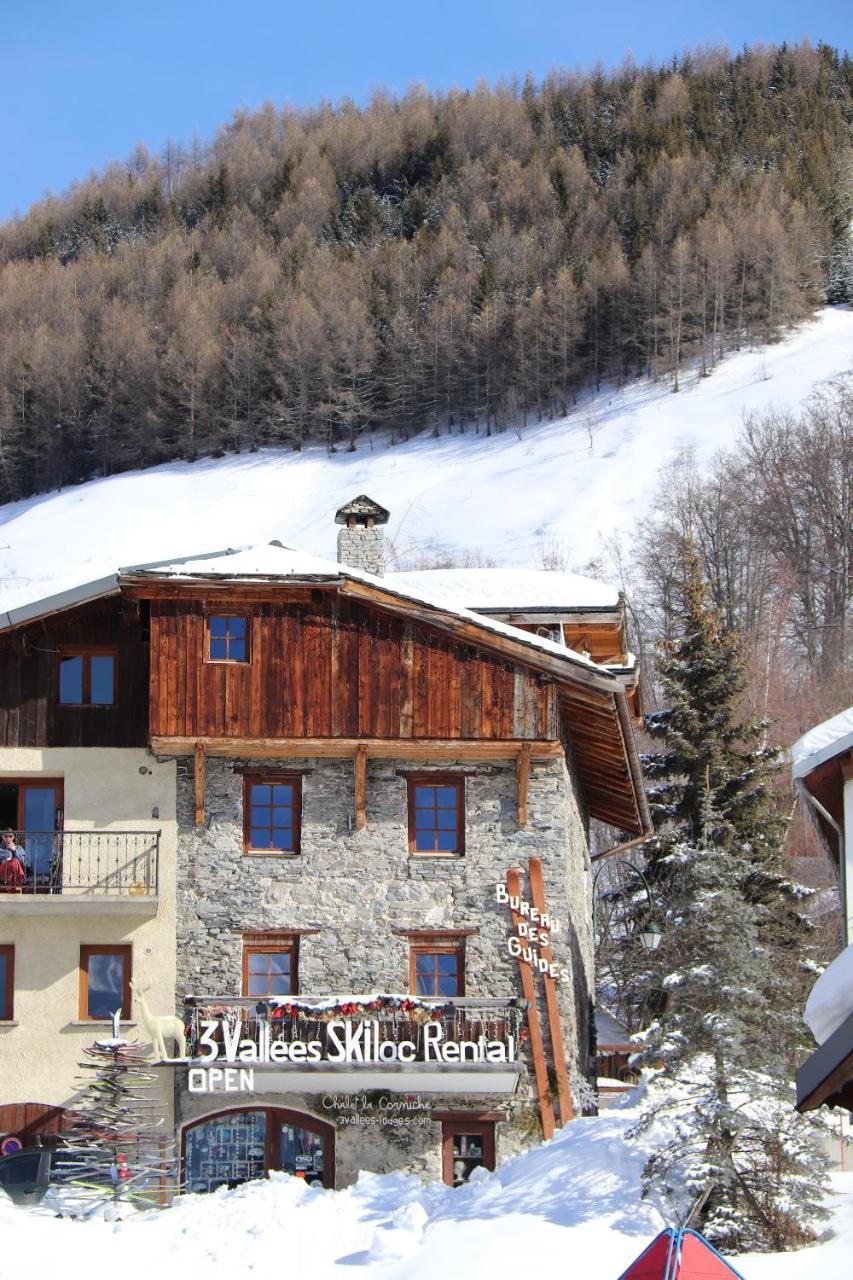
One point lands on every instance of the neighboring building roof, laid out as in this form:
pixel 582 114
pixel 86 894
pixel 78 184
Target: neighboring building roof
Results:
pixel 826 1078
pixel 609 1032
pixel 831 997
pixel 822 743
pixel 501 590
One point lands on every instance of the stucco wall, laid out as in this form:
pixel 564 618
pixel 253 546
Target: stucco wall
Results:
pixel 105 789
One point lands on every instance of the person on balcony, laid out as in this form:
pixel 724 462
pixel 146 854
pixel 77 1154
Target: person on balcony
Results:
pixel 12 865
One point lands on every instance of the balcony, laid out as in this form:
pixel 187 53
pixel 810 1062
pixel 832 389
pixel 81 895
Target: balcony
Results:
pixel 68 869
pixel 400 1043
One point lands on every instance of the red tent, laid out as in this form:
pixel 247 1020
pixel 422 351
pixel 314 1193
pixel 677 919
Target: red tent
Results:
pixel 680 1255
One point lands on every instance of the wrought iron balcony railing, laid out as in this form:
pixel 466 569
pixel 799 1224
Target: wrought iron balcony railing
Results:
pixel 108 863
pixel 395 1018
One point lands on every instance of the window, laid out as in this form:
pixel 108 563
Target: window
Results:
pixel 437 968
pixel 271 813
pixel 466 1144
pixel 227 637
pixel 104 981
pixel 33 808
pixel 269 965
pixel 87 677
pixel 7 983
pixel 436 815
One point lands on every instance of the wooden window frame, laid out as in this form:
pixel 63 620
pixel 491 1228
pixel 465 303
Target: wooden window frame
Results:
pixel 275 1116
pixel 271 777
pixel 451 1129
pixel 87 950
pixel 87 652
pixel 414 780
pixel 227 613
pixel 271 944
pixel 7 1012
pixel 57 785
pixel 441 945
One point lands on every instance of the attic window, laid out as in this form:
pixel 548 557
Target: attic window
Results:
pixel 227 638
pixel 87 677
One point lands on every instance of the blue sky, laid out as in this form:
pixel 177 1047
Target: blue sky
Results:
pixel 81 81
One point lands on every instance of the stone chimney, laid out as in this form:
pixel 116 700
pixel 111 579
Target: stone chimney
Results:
pixel 361 540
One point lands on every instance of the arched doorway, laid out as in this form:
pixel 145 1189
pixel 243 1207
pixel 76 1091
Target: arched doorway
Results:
pixel 241 1143
pixel 28 1121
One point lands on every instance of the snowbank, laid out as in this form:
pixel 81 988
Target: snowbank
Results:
pixel 570 1207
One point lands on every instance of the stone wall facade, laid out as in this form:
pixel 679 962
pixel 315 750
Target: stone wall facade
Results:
pixel 355 887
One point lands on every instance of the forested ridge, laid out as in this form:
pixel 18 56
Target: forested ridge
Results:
pixel 438 260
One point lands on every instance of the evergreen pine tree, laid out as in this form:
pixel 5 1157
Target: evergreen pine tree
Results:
pixel 728 1031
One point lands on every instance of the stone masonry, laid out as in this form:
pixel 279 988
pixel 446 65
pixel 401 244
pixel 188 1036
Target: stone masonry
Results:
pixel 362 547
pixel 356 886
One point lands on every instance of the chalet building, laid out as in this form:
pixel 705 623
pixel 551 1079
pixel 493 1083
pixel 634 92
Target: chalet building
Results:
pixel 356 812
pixel 823 775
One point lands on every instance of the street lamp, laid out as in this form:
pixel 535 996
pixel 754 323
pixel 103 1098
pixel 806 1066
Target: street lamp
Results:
pixel 650 936
pixel 651 933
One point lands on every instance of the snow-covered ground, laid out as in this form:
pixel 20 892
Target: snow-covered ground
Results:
pixel 570 1208
pixel 567 484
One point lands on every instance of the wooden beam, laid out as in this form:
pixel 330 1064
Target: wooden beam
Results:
pixel 522 769
pixel 537 1047
pixel 360 787
pixel 558 1049
pixel 443 749
pixel 199 784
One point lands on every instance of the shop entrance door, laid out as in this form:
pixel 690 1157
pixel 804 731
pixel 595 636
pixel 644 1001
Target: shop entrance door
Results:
pixel 235 1146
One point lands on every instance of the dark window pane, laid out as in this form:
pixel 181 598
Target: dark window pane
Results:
pixel 279 962
pixel 259 837
pixel 218 627
pixel 446 819
pixel 257 962
pixel 425 796
pixel 218 649
pixel 447 985
pixel 446 796
pixel 447 962
pixel 282 793
pixel 258 985
pixel 106 984
pixel 424 985
pixel 71 679
pixel 101 679
pixel 282 838
pixel 237 628
pixel 280 985
pixel 446 841
pixel 237 650
pixel 424 840
pixel 4 978
pixel 261 793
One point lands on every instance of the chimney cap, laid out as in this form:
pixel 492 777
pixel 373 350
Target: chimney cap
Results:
pixel 362 508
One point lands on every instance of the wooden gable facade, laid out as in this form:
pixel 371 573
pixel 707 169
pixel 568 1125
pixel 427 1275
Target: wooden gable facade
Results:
pixel 30 712
pixel 323 666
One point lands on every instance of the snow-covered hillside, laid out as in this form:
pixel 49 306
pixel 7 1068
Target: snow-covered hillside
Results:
pixel 570 1208
pixel 574 481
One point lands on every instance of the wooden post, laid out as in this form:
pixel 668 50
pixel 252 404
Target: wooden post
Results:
pixel 360 787
pixel 537 1048
pixel 199 784
pixel 564 1092
pixel 522 769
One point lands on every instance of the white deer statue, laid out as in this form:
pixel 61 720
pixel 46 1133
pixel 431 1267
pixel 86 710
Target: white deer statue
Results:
pixel 159 1027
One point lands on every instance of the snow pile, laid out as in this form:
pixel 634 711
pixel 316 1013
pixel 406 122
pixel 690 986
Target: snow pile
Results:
pixel 572 1206
pixel 831 1000
pixel 561 486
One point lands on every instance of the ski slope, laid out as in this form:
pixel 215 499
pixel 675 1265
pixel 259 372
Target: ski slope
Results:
pixel 568 484
pixel 570 1208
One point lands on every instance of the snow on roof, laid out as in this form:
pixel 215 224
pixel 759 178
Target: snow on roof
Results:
pixel 822 743
pixel 275 561
pixel 831 1000
pixel 501 589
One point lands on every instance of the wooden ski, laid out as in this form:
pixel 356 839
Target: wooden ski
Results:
pixel 537 1047
pixel 564 1092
